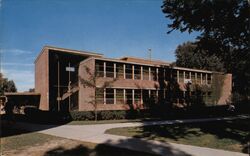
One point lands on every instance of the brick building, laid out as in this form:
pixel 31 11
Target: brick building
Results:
pixel 74 80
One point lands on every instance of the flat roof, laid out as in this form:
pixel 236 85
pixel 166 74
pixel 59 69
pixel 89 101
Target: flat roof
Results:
pixel 21 93
pixel 70 51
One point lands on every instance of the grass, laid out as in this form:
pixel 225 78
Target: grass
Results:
pixel 227 135
pixel 90 122
pixel 41 144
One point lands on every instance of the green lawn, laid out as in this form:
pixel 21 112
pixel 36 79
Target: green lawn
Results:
pixel 227 135
pixel 42 144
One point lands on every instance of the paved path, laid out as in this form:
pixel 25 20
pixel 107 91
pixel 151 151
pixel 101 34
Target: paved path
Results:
pixel 96 134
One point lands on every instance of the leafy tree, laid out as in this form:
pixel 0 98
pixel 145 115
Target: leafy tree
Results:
pixel 187 56
pixel 6 85
pixel 224 32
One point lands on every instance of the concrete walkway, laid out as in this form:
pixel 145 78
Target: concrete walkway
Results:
pixel 96 134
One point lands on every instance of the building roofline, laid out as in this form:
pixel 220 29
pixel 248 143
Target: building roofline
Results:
pixel 71 51
pixel 21 93
pixel 145 59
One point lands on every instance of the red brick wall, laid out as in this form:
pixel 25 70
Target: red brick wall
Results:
pixel 41 79
pixel 226 90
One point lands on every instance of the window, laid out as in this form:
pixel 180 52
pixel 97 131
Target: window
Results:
pixel 109 96
pixel 99 68
pixel 192 77
pixel 137 96
pixel 145 97
pixel 145 73
pixel 99 96
pixel 109 69
pixel 153 74
pixel 161 73
pixel 129 99
pixel 167 74
pixel 209 78
pixel 203 78
pixel 181 76
pixel 128 71
pixel 198 80
pixel 119 71
pixel 174 75
pixel 187 76
pixel 119 96
pixel 137 72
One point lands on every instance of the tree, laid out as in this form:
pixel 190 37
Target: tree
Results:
pixel 224 32
pixel 6 85
pixel 91 82
pixel 187 56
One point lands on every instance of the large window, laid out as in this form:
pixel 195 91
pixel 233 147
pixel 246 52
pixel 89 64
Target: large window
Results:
pixel 145 97
pixel 109 69
pixel 99 68
pixel 198 80
pixel 99 96
pixel 145 73
pixel 119 96
pixel 119 71
pixel 167 74
pixel 187 76
pixel 137 96
pixel 128 71
pixel 109 96
pixel 174 75
pixel 181 76
pixel 209 78
pixel 137 72
pixel 193 77
pixel 153 74
pixel 129 96
pixel 203 78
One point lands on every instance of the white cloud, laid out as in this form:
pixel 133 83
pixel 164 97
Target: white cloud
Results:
pixel 17 64
pixel 15 51
pixel 24 79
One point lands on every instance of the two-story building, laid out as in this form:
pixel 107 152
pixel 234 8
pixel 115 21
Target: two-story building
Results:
pixel 77 80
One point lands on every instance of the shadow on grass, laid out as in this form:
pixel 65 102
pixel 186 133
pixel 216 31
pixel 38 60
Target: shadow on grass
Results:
pixel 228 132
pixel 121 148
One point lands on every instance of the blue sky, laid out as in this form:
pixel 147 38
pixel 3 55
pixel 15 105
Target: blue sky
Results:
pixel 113 27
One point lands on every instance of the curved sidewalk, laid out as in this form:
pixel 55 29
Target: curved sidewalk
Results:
pixel 96 134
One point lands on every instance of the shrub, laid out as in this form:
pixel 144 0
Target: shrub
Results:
pixel 82 115
pixel 106 115
pixel 119 115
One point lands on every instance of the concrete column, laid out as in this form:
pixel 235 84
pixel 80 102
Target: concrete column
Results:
pixel 114 70
pixel 177 75
pixel 141 72
pixel 114 96
pixel 104 96
pixel 124 96
pixel 133 96
pixel 133 72
pixel 206 78
pixel 201 78
pixel 184 76
pixel 124 71
pixel 164 74
pixel 195 77
pixel 104 69
pixel 157 74
pixel 149 73
pixel 149 93
pixel 190 75
pixel 141 97
pixel 164 93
